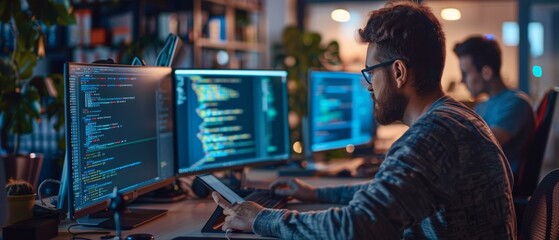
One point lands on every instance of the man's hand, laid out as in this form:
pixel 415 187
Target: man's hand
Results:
pixel 238 216
pixel 295 188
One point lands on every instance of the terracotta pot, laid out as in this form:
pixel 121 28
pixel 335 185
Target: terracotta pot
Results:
pixel 20 207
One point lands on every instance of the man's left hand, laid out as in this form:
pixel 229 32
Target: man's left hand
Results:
pixel 238 216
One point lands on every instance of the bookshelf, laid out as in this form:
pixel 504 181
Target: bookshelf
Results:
pixel 229 34
pixel 215 33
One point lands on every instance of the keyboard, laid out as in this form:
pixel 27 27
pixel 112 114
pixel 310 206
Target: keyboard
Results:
pixel 266 198
pixel 263 197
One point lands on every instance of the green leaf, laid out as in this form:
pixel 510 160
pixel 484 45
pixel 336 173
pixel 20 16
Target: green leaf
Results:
pixel 63 16
pixel 25 61
pixel 38 82
pixel 43 11
pixel 8 77
pixel 23 23
pixel 7 8
pixel 21 109
pixel 56 107
pixel 51 12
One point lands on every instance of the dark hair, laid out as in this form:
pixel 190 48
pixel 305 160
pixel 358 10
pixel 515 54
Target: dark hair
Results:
pixel 484 51
pixel 409 31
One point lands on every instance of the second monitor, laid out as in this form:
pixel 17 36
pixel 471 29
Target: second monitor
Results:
pixel 230 118
pixel 340 111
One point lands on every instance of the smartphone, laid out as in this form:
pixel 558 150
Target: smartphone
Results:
pixel 214 184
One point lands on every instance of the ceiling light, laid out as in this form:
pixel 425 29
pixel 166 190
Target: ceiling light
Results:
pixel 451 14
pixel 340 15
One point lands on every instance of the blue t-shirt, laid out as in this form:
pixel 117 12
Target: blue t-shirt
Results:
pixel 511 111
pixel 445 178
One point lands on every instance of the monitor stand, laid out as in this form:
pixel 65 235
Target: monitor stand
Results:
pixel 166 194
pixel 302 168
pixel 129 219
pixel 236 180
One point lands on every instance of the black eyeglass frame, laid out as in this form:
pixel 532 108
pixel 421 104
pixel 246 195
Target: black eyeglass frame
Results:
pixel 366 71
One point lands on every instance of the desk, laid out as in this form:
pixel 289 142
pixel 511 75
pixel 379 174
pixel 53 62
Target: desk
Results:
pixel 186 218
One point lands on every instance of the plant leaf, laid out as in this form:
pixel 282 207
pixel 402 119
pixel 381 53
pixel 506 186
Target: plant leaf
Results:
pixel 7 8
pixel 56 107
pixel 25 61
pixel 20 109
pixel 51 12
pixel 63 15
pixel 8 77
pixel 38 82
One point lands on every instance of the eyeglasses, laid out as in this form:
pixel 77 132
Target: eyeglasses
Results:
pixel 367 72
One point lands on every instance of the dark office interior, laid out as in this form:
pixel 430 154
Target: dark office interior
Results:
pixel 272 58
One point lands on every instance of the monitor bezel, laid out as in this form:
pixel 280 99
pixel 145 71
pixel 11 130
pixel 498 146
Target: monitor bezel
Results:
pixel 309 128
pixel 279 159
pixel 132 194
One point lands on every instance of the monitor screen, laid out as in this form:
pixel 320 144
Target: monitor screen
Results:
pixel 340 111
pixel 119 126
pixel 230 118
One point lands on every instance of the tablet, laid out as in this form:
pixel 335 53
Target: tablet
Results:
pixel 214 184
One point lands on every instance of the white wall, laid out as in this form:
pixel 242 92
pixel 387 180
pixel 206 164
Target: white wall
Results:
pixel 477 18
pixel 352 51
pixel 279 13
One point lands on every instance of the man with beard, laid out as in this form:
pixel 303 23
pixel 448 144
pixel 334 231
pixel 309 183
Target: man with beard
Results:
pixel 508 112
pixel 445 178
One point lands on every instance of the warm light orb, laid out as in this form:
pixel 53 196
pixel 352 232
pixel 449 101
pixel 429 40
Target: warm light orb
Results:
pixel 297 147
pixel 340 15
pixel 350 148
pixel 451 14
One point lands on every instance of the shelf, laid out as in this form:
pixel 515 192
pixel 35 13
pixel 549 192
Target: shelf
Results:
pixel 248 46
pixel 239 31
pixel 230 45
pixel 222 2
pixel 247 6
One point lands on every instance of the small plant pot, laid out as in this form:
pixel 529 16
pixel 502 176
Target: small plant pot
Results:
pixel 20 207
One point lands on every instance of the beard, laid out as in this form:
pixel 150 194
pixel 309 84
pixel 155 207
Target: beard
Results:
pixel 392 106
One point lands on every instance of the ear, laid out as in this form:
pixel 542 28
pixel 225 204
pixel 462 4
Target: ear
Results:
pixel 487 73
pixel 400 73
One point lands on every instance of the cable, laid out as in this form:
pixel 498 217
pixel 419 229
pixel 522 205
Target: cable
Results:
pixel 227 232
pixel 75 235
pixel 41 185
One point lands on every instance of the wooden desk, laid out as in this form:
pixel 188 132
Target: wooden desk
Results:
pixel 186 218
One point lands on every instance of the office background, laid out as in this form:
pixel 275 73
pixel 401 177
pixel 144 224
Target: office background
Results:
pixel 244 34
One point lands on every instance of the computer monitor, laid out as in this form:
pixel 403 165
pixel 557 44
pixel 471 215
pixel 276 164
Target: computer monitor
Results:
pixel 119 132
pixel 228 119
pixel 340 112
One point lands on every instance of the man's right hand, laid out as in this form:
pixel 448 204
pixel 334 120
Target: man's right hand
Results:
pixel 295 188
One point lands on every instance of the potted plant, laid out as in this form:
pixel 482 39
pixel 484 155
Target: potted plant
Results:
pixel 21 93
pixel 21 199
pixel 299 52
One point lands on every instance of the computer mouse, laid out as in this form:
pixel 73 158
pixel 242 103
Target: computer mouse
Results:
pixel 140 236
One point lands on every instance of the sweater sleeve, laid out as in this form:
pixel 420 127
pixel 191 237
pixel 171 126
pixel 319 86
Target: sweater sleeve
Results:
pixel 406 189
pixel 339 194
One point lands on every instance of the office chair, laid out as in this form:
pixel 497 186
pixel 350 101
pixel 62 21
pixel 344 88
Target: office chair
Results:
pixel 528 173
pixel 542 212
